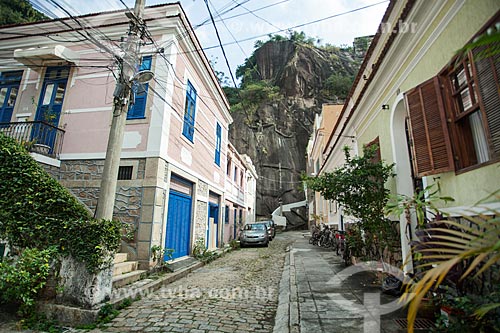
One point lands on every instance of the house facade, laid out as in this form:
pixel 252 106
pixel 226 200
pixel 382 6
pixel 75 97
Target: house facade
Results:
pixel 433 113
pixel 57 84
pixel 240 185
pixel 320 209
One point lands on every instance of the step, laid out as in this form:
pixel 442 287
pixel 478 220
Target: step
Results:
pixel 120 257
pixel 124 267
pixel 127 278
pixel 181 263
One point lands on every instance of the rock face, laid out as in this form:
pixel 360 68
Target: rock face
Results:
pixel 276 135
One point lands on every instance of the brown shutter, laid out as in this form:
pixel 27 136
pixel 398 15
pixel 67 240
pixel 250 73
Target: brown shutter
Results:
pixel 378 156
pixel 488 73
pixel 431 147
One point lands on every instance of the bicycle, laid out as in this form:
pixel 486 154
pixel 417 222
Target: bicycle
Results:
pixel 315 236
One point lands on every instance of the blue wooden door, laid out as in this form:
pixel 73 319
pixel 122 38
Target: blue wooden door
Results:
pixel 9 88
pixel 213 230
pixel 50 105
pixel 178 234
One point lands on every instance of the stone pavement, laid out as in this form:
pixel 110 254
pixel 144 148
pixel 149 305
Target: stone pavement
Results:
pixel 325 296
pixel 236 293
pixel 290 287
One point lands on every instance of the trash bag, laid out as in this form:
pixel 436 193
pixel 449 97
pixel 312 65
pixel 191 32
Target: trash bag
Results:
pixel 392 286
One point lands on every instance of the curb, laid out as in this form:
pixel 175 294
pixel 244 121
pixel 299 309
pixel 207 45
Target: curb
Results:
pixel 287 314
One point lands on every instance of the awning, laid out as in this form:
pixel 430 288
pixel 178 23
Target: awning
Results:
pixel 36 56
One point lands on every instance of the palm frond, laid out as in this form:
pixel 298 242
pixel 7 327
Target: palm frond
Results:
pixel 483 310
pixel 445 244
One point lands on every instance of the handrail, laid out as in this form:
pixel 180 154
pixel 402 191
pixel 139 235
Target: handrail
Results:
pixel 38 136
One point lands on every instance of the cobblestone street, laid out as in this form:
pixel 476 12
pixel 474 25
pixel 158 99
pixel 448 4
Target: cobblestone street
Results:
pixel 238 292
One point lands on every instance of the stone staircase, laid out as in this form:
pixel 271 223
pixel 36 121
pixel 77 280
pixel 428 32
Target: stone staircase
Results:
pixel 125 271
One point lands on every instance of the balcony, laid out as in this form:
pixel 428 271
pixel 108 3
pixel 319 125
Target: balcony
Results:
pixel 38 136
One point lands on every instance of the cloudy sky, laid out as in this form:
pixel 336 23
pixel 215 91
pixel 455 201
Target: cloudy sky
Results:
pixel 339 21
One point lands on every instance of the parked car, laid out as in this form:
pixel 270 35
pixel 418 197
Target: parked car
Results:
pixel 271 228
pixel 254 234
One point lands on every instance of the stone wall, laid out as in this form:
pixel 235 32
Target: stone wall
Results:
pixel 53 171
pixel 83 179
pixel 200 223
pixel 202 189
pixel 92 169
pixel 81 170
pixel 201 220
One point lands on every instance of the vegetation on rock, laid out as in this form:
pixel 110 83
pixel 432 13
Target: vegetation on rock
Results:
pixel 284 84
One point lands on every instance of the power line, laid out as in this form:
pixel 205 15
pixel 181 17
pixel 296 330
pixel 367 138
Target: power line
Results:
pixel 220 43
pixel 207 20
pixel 255 10
pixel 300 25
pixel 257 16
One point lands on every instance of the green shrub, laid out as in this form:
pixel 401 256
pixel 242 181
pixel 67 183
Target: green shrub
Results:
pixel 91 241
pixel 41 220
pixel 201 252
pixel 38 212
pixel 33 205
pixel 234 244
pixel 22 279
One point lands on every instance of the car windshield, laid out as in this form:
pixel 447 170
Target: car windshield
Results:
pixel 255 227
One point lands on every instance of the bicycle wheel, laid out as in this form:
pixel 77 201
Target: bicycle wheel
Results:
pixel 346 256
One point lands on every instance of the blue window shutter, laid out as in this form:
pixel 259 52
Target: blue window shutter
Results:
pixel 138 109
pixel 226 216
pixel 218 137
pixel 146 63
pixel 189 112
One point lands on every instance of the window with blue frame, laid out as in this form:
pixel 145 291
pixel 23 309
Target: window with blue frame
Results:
pixel 140 90
pixel 226 216
pixel 218 139
pixel 189 112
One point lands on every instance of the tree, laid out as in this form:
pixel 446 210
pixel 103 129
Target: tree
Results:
pixel 338 85
pixel 359 186
pixel 18 11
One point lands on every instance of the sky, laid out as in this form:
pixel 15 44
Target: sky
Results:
pixel 253 22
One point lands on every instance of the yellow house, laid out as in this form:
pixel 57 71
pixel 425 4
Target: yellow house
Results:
pixel 434 114
pixel 320 209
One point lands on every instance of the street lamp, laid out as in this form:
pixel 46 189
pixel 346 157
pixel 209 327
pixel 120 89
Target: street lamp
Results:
pixel 142 76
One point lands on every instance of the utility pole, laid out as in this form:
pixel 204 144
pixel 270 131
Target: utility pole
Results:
pixel 122 92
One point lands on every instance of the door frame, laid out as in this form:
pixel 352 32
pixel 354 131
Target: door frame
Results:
pixel 10 80
pixel 215 225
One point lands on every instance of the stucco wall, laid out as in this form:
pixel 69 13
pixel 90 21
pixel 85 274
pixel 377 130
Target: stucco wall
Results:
pixel 438 41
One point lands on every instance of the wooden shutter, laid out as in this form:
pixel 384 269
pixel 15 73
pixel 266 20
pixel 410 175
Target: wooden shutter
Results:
pixel 377 157
pixel 487 76
pixel 430 140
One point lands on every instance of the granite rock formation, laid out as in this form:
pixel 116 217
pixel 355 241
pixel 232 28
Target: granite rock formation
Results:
pixel 276 133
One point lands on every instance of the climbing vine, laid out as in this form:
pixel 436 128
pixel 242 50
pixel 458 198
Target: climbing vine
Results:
pixel 37 214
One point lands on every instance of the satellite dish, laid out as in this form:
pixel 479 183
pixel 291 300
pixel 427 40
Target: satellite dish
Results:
pixel 143 76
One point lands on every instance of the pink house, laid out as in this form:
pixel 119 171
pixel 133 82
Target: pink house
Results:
pixel 56 91
pixel 241 179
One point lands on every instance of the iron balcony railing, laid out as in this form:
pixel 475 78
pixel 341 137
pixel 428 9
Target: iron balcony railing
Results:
pixel 38 136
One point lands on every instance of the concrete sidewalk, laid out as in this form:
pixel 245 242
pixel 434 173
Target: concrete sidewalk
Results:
pixel 319 294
